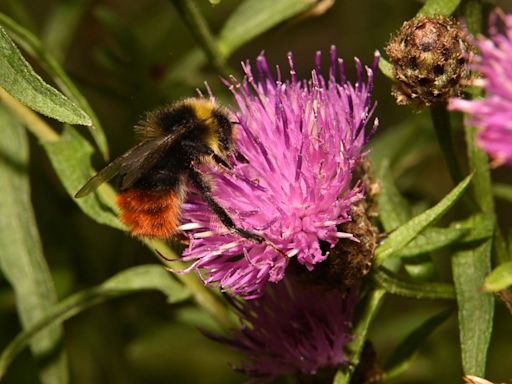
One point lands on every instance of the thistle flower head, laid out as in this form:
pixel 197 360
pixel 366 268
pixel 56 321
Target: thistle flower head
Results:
pixel 291 179
pixel 290 331
pixel 493 114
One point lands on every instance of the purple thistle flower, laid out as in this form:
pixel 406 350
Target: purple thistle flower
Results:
pixel 298 143
pixel 493 114
pixel 290 331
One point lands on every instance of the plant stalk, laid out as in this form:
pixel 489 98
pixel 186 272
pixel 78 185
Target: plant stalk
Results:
pixel 198 26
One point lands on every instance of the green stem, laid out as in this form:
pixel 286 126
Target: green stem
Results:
pixel 355 348
pixel 443 130
pixel 442 127
pixel 198 26
pixel 32 121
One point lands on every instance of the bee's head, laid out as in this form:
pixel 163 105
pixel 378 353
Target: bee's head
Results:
pixel 224 131
pixel 217 126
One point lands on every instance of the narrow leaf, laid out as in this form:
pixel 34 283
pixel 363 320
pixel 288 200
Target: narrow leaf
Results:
pixel 480 226
pixel 33 46
pixel 439 7
pixel 500 278
pixel 404 353
pixel 21 256
pixel 421 267
pixel 71 159
pixel 136 279
pixel 473 229
pixel 20 80
pixel 475 308
pixel 252 18
pixel 432 239
pixel 143 278
pixel 407 232
pixel 393 208
pixel 405 287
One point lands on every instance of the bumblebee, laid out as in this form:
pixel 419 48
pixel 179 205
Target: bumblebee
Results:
pixel 155 174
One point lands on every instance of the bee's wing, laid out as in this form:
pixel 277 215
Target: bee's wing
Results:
pixel 134 162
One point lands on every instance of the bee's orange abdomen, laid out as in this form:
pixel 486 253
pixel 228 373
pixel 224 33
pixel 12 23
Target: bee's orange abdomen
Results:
pixel 150 213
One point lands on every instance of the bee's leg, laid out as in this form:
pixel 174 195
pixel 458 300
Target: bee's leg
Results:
pixel 219 160
pixel 203 149
pixel 204 189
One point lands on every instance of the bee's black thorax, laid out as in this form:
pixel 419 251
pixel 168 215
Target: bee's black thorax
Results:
pixel 169 119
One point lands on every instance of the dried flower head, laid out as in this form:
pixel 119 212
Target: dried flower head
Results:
pixel 493 114
pixel 290 331
pixel 297 144
pixel 348 261
pixel 430 60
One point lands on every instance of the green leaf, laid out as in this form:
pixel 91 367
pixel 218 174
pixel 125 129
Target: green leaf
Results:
pixel 386 68
pixel 405 287
pixel 500 278
pixel 21 256
pixel 404 353
pixel 409 231
pixel 33 46
pixel 420 267
pixel 144 278
pixel 20 81
pixel 393 208
pixel 473 229
pixel 71 159
pixel 481 227
pixel 475 308
pixel 431 240
pixel 136 279
pixel 252 18
pixel 439 7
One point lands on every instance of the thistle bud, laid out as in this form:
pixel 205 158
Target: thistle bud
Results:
pixel 430 58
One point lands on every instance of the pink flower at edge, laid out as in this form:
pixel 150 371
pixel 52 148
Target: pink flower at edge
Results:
pixel 297 145
pixel 289 331
pixel 493 114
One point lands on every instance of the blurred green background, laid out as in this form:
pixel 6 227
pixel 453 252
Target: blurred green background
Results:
pixel 127 56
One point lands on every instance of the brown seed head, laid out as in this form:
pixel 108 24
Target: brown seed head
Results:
pixel 430 58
